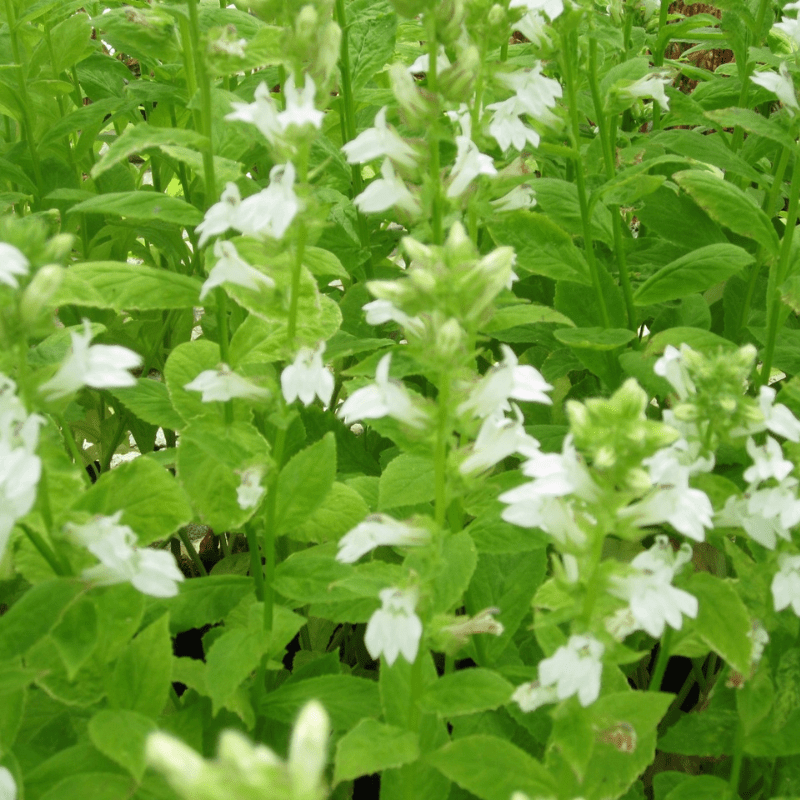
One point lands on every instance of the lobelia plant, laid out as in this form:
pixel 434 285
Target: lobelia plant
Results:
pixel 464 333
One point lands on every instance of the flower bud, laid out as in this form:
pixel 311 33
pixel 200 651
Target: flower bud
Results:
pixel 450 338
pixel 308 750
pixel 327 56
pixel 459 248
pixel 40 292
pixel 496 16
pixel 449 20
pixel 417 108
pixel 458 80
pixel 417 251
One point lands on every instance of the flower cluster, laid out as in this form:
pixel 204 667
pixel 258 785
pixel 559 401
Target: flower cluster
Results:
pixel 394 628
pixel 152 572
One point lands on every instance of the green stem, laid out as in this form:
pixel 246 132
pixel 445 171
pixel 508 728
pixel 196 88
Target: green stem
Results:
pixel 661 662
pixel 433 133
pixel 778 273
pixel 256 567
pixel 72 447
pixel 570 51
pixel 415 692
pixel 224 341
pixel 440 454
pixel 658 57
pixel 202 80
pixel 736 763
pixel 45 550
pixel 297 270
pixel 269 530
pixel 196 560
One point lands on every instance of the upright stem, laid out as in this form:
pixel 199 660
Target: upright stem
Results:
pixel 778 273
pixel 269 531
pixel 440 455
pixel 570 49
pixel 661 661
pixel 297 269
pixel 433 132
pixel 224 344
pixel 658 57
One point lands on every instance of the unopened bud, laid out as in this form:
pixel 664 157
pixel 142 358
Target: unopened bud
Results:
pixel 449 19
pixel 496 16
pixel 308 750
pixel 39 293
pixel 458 80
pixel 450 338
pixel 417 108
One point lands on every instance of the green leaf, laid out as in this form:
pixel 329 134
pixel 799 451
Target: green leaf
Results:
pixel 341 510
pixel 541 247
pixel 372 747
pixel 119 614
pixel 152 502
pixel 138 138
pixel 75 42
pixel 304 483
pixel 97 785
pixel 347 699
pixel 184 364
pixel 407 480
pixel 492 768
pixel 559 200
pixel 121 735
pixel 519 315
pixel 149 400
pixel 75 636
pixel 696 338
pixel 32 616
pixel 324 264
pixel 455 570
pixel 773 127
pixel 695 272
pixel 210 460
pixel 371 29
pixel 467 692
pixel 120 286
pixel 142 205
pixel 492 534
pixel 723 621
pixel 141 678
pixel 599 339
pixel 710 733
pixel 205 602
pixel 728 205
pixel 701 787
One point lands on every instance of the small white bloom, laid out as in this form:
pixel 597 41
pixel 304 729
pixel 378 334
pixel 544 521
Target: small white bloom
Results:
pixel 498 438
pixel 506 380
pixel 779 84
pixel 99 366
pixel 222 215
pixel 518 197
pixel 768 462
pixel 651 85
pixel 394 628
pixel 560 474
pixel 270 211
pixel 470 163
pixel 533 695
pixel 507 127
pixel 307 377
pixel 385 397
pixel 533 23
pixel 535 94
pixel 386 192
pixel 791 27
pixel 308 750
pixel 423 62
pixel 223 384
pixel 262 112
pixel 672 367
pixel 378 142
pixel 300 105
pixel 232 268
pixel 483 622
pixel 528 508
pixel 375 531
pixel 786 584
pixel 380 311
pixel 250 491
pixel 778 418
pixel 12 263
pixel 8 786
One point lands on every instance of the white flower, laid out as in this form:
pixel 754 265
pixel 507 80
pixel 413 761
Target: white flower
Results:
pixel 507 127
pixel 380 311
pixel 12 263
pixel 300 105
pixel 552 8
pixel 222 215
pixel 779 84
pixel 761 514
pixel 470 163
pixel 574 668
pixel 262 112
pixel 386 192
pixel 778 418
pixel 529 508
pixel 308 750
pixel 560 474
pixel 378 142
pixel 377 530
pixel 535 94
pixel 532 23
pixel 791 27
pixel 423 62
pixel 152 572
pixel 250 491
pixel 270 211
pixel 498 438
pixel 518 197
pixel 653 601
pixel 483 622
pixel 506 380
pixel 651 85
pixel 394 628
pixel 222 384
pixel 8 786
pixel 99 366
pixel 786 584
pixel 385 397
pixel 307 377
pixel 672 367
pixel 768 462
pixel 232 268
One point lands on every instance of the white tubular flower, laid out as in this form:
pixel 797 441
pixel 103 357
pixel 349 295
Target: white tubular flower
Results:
pixel 470 163
pixel 574 668
pixel 518 197
pixel 379 142
pixel 483 622
pixel 778 418
pixel 768 462
pixel 786 584
pixel 506 380
pixel 222 215
pixel 779 84
pixel 223 384
pixel 12 264
pixel 498 438
pixel 764 515
pixel 300 105
pixel 8 786
pixel 508 129
pixel 250 491
pixel 791 27
pixel 560 474
pixel 308 750
pixel 672 367
pixel 534 93
pixel 653 601
pixel 98 365
pixel 152 572
pixel 380 311
pixel 651 85
pixel 529 508
pixel 307 377
pixel 271 211
pixel 532 23
pixel 378 530
pixel 386 192
pixel 422 63
pixel 385 397
pixel 394 628
pixel 232 268
pixel 262 112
